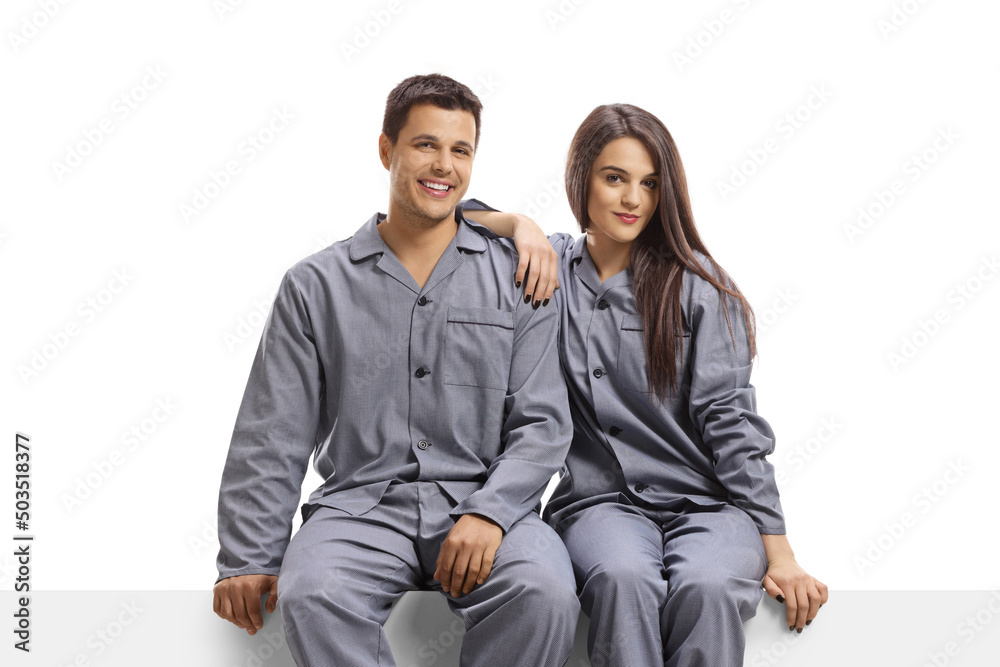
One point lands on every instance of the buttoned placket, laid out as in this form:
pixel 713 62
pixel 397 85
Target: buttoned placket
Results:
pixel 427 340
pixel 603 339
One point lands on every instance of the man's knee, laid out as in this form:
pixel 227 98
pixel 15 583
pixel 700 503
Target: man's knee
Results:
pixel 556 598
pixel 548 585
pixel 305 593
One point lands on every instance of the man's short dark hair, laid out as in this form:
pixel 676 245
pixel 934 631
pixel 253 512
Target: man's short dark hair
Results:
pixel 437 89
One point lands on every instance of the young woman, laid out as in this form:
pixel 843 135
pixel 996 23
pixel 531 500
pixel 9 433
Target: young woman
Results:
pixel 667 506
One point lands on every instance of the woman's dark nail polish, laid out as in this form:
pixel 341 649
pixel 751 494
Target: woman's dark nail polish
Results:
pixel 527 298
pixel 808 622
pixel 517 283
pixel 780 598
pixel 545 303
pixel 799 630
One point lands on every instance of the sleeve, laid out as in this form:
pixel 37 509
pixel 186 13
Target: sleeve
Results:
pixel 723 408
pixel 472 205
pixel 273 438
pixel 537 427
pixel 561 242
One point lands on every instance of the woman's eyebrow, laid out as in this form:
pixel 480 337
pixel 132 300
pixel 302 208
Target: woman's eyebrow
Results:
pixel 619 170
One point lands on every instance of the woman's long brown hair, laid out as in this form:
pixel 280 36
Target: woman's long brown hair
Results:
pixel 665 247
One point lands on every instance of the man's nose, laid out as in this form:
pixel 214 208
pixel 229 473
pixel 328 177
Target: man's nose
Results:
pixel 442 162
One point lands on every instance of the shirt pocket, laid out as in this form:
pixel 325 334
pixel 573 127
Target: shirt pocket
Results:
pixel 478 344
pixel 633 368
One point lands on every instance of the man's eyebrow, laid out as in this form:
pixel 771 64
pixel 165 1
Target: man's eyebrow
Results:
pixel 619 170
pixel 437 140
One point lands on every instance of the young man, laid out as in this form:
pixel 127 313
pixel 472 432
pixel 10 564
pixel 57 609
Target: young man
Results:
pixel 406 361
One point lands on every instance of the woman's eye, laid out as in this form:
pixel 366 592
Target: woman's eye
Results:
pixel 614 178
pixel 650 184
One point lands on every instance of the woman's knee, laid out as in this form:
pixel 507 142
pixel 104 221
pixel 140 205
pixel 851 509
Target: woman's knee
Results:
pixel 625 576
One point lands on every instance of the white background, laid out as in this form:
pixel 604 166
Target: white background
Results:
pixel 184 326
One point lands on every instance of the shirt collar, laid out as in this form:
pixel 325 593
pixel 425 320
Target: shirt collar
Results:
pixel 582 265
pixel 367 241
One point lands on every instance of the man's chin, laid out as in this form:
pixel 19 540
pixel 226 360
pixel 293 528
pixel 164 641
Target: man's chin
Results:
pixel 445 211
pixel 433 218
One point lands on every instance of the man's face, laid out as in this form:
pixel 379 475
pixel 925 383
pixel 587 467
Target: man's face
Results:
pixel 430 164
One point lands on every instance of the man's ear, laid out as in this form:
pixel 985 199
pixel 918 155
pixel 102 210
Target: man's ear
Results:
pixel 385 149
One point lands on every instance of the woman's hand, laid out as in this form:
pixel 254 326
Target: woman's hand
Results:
pixel 802 593
pixel 786 582
pixel 537 269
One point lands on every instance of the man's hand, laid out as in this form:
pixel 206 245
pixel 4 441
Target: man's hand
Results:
pixel 237 599
pixel 466 557
pixel 537 268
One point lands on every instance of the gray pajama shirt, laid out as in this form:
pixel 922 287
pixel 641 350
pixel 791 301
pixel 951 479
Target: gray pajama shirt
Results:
pixel 418 405
pixel 661 506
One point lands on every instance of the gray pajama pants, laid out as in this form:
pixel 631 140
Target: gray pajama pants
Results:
pixel 341 574
pixel 665 588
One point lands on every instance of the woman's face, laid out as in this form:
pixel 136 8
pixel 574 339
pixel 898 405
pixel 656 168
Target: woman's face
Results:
pixel 624 192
